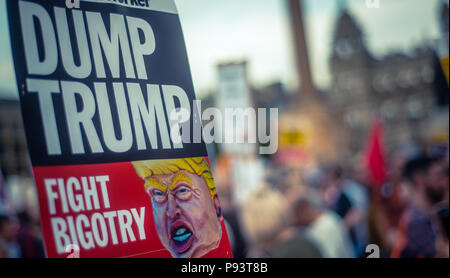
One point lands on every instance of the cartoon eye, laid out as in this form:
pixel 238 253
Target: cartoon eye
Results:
pixel 158 195
pixel 183 193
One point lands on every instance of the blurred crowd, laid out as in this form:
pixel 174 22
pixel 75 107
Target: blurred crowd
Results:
pixel 334 211
pixel 20 237
pixel 325 212
pixel 20 230
pixel 330 211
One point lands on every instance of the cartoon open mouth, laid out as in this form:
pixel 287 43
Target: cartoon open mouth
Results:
pixel 181 237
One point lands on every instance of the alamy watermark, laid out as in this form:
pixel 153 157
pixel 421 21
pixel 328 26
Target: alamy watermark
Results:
pixel 373 4
pixel 70 4
pixel 227 126
pixel 372 251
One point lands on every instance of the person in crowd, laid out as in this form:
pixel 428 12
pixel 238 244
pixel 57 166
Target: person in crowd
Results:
pixel 419 231
pixel 298 246
pixel 335 196
pixel 439 175
pixel 8 234
pixel 265 217
pixel 350 200
pixel 359 195
pixel 323 228
pixel 387 204
pixel 238 240
pixel 30 244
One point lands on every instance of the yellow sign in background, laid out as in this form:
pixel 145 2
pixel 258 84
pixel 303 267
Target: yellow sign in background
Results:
pixel 292 138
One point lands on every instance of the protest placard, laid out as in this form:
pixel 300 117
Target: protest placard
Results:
pixel 100 82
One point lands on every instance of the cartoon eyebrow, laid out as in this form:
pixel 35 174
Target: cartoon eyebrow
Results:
pixel 179 177
pixel 152 182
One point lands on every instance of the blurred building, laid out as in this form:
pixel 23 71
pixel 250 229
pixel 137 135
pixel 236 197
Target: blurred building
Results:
pixel 13 149
pixel 444 17
pixel 399 87
pixel 273 95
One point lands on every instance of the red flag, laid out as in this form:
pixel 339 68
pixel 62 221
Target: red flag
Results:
pixel 374 159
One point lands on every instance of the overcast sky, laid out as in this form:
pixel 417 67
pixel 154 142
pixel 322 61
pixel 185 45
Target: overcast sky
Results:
pixel 258 30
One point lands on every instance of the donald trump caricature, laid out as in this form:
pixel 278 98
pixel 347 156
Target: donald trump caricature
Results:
pixel 186 208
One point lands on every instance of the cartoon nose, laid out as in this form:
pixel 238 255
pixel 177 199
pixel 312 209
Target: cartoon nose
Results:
pixel 173 211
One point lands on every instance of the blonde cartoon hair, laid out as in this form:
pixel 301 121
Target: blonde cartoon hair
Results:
pixel 197 165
